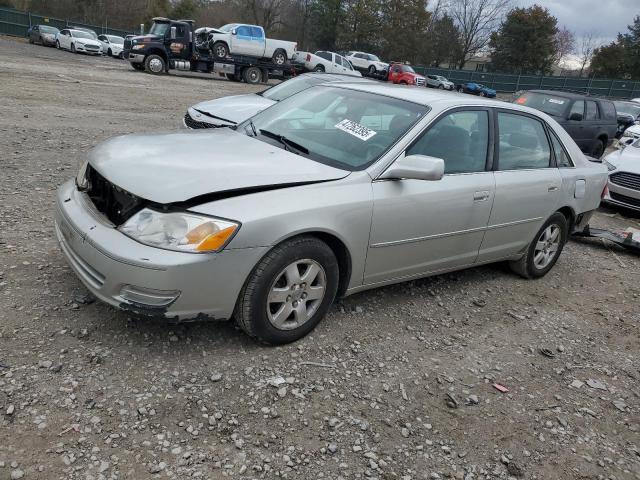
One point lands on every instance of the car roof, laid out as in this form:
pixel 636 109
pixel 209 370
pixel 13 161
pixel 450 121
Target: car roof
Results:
pixel 572 95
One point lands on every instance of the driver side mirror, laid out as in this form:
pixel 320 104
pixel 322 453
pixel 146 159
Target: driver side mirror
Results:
pixel 173 33
pixel 415 167
pixel 234 32
pixel 576 117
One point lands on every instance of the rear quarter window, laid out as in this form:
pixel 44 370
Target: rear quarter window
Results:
pixel 608 110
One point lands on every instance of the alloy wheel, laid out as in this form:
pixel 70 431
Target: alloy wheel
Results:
pixel 547 246
pixel 296 294
pixel 155 65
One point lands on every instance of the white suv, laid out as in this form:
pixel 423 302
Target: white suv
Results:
pixel 367 62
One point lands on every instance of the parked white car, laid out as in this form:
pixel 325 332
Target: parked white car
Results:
pixel 242 39
pixel 623 188
pixel 112 45
pixel 367 62
pixel 78 42
pixel 329 62
pixel 438 81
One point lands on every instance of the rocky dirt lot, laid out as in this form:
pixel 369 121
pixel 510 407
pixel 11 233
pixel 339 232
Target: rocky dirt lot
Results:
pixel 397 383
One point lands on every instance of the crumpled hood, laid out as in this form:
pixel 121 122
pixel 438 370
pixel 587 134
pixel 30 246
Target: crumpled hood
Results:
pixel 176 167
pixel 626 159
pixel 234 109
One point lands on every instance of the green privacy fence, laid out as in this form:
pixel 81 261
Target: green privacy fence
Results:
pixel 16 22
pixel 513 83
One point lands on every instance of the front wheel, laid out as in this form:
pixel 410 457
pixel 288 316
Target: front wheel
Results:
pixel 279 57
pixel 441 87
pixel 73 48
pixel 220 50
pixel 57 44
pixel 110 53
pixel 543 252
pixel 289 291
pixel 154 64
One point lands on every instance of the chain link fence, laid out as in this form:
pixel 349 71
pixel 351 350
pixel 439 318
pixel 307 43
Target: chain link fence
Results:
pixel 512 83
pixel 16 23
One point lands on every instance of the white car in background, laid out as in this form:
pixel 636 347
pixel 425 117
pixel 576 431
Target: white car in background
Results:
pixel 623 188
pixel 78 42
pixel 367 62
pixel 329 62
pixel 229 111
pixel 112 45
pixel 438 81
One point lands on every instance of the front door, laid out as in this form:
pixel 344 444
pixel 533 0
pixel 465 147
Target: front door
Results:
pixel 527 186
pixel 422 226
pixel 242 41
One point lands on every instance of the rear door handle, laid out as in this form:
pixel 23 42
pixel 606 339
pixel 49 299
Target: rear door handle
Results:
pixel 480 196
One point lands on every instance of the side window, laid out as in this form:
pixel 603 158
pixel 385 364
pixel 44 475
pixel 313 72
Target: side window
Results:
pixel 325 55
pixel 346 64
pixel 562 159
pixel 577 108
pixel 256 32
pixel 592 111
pixel 523 143
pixel 608 110
pixel 396 69
pixel 460 139
pixel 243 31
pixel 103 38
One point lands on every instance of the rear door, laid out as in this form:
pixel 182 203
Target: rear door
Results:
pixel 592 123
pixel 528 185
pixel 422 227
pixel 575 124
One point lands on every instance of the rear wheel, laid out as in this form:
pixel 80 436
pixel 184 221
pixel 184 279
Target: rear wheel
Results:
pixel 543 252
pixel 289 291
pixel 57 44
pixel 372 70
pixel 319 68
pixel 154 64
pixel 279 57
pixel 441 87
pixel 252 75
pixel 403 82
pixel 598 149
pixel 220 50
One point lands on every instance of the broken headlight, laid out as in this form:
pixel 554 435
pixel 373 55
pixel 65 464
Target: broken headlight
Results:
pixel 180 231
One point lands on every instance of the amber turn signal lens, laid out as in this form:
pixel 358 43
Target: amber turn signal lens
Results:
pixel 215 241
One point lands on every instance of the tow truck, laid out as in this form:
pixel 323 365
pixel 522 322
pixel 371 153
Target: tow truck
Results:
pixel 178 45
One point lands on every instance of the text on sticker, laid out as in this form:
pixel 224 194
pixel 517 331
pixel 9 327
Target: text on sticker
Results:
pixel 553 100
pixel 355 129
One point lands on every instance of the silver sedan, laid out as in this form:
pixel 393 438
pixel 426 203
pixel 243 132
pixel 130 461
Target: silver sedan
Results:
pixel 335 190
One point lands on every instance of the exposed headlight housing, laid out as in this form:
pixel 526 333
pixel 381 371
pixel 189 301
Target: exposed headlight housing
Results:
pixel 137 47
pixel 180 231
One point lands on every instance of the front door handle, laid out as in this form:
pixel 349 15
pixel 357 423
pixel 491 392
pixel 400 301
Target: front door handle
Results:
pixel 480 196
pixel 553 188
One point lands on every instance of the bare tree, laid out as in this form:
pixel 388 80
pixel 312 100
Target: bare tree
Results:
pixel 588 44
pixel 476 19
pixel 565 44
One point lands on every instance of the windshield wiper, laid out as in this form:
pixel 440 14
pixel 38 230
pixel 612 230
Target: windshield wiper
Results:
pixel 285 141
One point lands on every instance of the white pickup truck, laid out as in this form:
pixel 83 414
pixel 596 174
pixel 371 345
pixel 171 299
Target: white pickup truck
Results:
pixel 243 39
pixel 329 62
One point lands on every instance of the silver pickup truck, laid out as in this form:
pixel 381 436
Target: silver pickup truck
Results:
pixel 242 39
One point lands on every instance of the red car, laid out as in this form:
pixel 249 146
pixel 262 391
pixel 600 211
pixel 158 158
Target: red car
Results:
pixel 405 75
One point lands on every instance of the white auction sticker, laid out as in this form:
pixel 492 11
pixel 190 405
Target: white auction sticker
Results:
pixel 355 129
pixel 559 102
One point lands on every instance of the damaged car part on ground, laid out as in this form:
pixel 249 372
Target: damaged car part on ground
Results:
pixel 331 192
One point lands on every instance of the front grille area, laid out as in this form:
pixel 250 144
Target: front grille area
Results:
pixel 113 202
pixel 627 180
pixel 420 82
pixel 624 199
pixel 191 123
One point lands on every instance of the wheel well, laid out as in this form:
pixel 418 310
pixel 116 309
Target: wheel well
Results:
pixel 342 255
pixel 157 51
pixel 604 138
pixel 569 215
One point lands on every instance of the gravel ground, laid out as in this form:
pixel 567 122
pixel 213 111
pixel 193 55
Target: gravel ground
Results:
pixel 396 383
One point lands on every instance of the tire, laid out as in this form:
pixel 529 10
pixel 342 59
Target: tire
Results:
pixel 598 149
pixel 30 41
pixel 371 70
pixel 138 66
pixel 530 265
pixel 73 48
pixel 154 64
pixel 110 53
pixel 440 87
pixel 319 68
pixel 482 94
pixel 220 50
pixel 403 82
pixel 279 57
pixel 57 44
pixel 277 322
pixel 252 75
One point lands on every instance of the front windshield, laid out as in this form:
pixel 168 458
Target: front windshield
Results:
pixel 228 28
pixel 291 87
pixel 115 39
pixel 159 29
pixel 628 108
pixel 550 104
pixel 46 29
pixel 344 128
pixel 407 68
pixel 80 34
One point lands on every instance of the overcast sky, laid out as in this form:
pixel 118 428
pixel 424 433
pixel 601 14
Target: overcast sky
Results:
pixel 604 17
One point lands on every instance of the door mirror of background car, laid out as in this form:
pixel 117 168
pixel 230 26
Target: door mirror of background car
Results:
pixel 173 33
pixel 234 32
pixel 415 167
pixel 576 117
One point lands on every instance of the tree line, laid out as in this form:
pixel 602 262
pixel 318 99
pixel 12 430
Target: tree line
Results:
pixel 428 32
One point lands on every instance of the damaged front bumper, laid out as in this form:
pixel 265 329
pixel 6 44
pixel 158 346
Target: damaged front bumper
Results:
pixel 143 280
